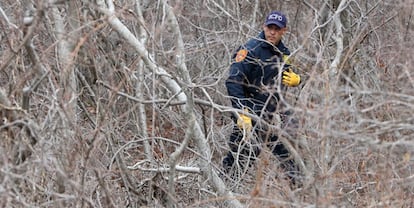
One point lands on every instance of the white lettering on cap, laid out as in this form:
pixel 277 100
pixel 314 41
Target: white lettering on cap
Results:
pixel 276 17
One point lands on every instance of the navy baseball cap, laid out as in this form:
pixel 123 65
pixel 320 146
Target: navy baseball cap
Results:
pixel 276 18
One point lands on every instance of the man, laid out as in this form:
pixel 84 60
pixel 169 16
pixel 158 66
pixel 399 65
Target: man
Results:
pixel 258 75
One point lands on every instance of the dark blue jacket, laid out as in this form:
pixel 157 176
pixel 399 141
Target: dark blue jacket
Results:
pixel 253 82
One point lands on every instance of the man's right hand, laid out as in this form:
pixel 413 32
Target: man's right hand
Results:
pixel 244 122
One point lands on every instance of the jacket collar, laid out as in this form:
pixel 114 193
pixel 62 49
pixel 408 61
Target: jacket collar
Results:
pixel 279 47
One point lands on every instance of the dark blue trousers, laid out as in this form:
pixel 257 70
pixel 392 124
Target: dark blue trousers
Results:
pixel 247 152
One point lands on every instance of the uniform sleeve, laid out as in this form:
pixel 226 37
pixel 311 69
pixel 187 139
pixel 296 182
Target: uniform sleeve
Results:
pixel 288 62
pixel 236 83
pixel 286 59
pixel 285 54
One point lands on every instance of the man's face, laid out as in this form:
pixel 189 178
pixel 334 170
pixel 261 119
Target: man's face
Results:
pixel 273 33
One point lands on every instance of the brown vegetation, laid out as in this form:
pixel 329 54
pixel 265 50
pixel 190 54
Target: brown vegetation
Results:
pixel 122 104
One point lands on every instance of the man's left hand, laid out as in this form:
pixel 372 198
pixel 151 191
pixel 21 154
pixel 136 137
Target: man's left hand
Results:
pixel 290 78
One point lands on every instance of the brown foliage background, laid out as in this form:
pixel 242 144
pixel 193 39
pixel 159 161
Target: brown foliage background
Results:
pixel 356 129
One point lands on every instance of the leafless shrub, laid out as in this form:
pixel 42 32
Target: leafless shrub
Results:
pixel 127 130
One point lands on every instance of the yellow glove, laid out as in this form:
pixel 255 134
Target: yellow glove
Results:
pixel 290 78
pixel 244 122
